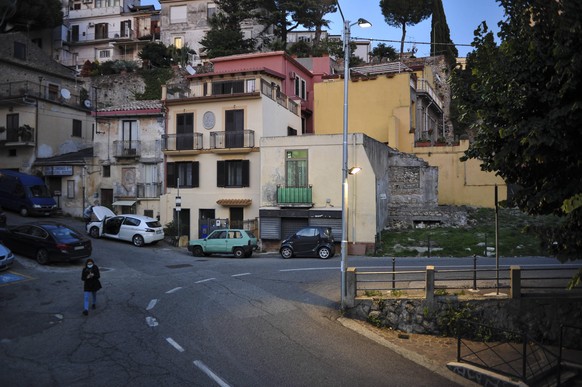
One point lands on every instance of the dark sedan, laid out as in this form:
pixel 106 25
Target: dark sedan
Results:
pixel 46 241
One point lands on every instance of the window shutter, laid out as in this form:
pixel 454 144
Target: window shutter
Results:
pixel 195 174
pixel 220 173
pixel 171 175
pixel 245 173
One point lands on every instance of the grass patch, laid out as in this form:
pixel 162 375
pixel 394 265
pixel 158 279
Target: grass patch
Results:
pixel 478 237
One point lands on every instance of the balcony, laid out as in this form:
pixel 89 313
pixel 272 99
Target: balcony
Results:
pixel 149 190
pixel 127 149
pixel 232 139
pixel 182 142
pixel 26 93
pixel 424 87
pixel 294 196
pixel 22 136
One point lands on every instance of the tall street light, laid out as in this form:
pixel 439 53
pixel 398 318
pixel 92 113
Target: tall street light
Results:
pixel 344 244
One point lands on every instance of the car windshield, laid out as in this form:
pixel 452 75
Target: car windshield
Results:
pixel 154 223
pixel 39 191
pixel 63 233
pixel 250 234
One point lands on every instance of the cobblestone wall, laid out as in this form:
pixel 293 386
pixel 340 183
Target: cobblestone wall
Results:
pixel 540 317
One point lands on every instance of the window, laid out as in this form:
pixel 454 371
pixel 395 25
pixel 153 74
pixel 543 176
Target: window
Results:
pixel 19 50
pixel 70 189
pixel 37 41
pixel 178 42
pixel 185 131
pixel 187 172
pixel 210 10
pixel 232 173
pixel 103 54
pixel 77 128
pixel 107 171
pixel 126 28
pixel 296 168
pixel 74 33
pixel 300 87
pixel 228 87
pixel 53 92
pixel 12 125
pixel 129 134
pixel 101 31
pixel 179 14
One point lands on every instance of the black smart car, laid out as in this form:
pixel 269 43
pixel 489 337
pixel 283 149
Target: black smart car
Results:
pixel 309 242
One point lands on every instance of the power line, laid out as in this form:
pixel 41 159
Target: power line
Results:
pixel 412 42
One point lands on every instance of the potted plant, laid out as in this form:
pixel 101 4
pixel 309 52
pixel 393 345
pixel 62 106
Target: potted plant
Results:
pixel 422 142
pixel 25 133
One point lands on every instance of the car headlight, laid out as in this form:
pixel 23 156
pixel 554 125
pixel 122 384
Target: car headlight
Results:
pixel 36 206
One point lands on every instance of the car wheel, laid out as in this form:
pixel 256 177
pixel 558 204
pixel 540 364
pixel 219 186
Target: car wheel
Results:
pixel 42 256
pixel 324 253
pixel 238 252
pixel 137 240
pixel 23 211
pixel 286 252
pixel 197 251
pixel 94 232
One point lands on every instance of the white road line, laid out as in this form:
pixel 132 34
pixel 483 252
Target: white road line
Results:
pixel 174 344
pixel 204 280
pixel 312 268
pixel 174 290
pixel 151 321
pixel 240 275
pixel 152 304
pixel 211 374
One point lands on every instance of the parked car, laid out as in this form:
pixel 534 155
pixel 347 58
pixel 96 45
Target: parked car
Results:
pixel 46 241
pixel 138 229
pixel 239 242
pixel 6 258
pixel 26 194
pixel 309 242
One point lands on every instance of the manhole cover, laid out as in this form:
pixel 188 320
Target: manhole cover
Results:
pixel 178 266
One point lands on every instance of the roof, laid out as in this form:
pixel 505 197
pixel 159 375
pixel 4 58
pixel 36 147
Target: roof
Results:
pixel 384 68
pixel 264 70
pixel 234 202
pixel 76 158
pixel 146 107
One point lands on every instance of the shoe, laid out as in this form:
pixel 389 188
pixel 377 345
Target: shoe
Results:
pixel 93 306
pixel 85 312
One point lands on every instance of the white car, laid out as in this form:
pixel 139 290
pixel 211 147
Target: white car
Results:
pixel 138 229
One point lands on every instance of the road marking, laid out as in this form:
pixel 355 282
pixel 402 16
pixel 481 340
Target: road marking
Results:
pixel 152 304
pixel 174 344
pixel 152 322
pixel 9 277
pixel 204 280
pixel 311 268
pixel 211 374
pixel 174 290
pixel 240 275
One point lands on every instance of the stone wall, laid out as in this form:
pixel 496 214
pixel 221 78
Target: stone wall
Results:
pixel 541 317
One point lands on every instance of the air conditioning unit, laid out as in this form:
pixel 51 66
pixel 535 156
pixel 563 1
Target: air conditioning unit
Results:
pixel 292 75
pixel 91 25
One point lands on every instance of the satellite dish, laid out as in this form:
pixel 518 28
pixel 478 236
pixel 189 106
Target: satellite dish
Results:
pixel 190 70
pixel 66 94
pixel 87 103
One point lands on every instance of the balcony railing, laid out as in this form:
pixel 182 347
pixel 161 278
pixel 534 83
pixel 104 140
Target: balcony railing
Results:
pixel 232 139
pixel 422 86
pixel 29 91
pixel 149 190
pixel 190 141
pixel 23 136
pixel 127 148
pixel 294 195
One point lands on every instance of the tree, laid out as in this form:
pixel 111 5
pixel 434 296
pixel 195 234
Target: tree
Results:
pixel 155 55
pixel 382 51
pixel 29 15
pixel 527 111
pixel 441 43
pixel 402 13
pixel 225 36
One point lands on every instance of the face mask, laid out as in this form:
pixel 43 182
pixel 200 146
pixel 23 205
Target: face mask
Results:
pixel 90 265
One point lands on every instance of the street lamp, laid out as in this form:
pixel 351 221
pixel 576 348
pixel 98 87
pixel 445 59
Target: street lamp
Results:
pixel 344 244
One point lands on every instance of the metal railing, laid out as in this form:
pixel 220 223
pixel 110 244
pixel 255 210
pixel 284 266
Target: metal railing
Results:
pixel 126 148
pixel 149 190
pixel 232 139
pixel 294 195
pixel 514 354
pixel 190 141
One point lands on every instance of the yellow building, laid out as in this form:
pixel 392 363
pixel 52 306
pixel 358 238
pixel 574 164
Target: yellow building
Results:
pixel 398 105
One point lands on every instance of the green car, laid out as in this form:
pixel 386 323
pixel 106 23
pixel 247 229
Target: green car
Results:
pixel 239 242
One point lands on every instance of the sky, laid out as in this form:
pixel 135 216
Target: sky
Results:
pixel 463 17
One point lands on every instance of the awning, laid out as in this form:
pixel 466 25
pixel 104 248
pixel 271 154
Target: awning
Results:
pixel 234 202
pixel 127 203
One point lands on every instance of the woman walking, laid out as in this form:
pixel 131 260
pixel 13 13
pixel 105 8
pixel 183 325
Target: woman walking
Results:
pixel 90 277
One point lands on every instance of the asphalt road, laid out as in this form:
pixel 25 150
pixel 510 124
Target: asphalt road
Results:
pixel 167 318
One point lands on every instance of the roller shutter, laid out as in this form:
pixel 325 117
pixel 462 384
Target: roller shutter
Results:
pixel 290 226
pixel 270 228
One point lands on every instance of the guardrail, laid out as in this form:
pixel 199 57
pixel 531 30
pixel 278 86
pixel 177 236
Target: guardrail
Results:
pixel 432 282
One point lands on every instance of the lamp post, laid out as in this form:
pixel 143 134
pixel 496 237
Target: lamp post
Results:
pixel 344 243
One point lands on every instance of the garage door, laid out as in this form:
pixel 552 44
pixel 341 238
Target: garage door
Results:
pixel 291 225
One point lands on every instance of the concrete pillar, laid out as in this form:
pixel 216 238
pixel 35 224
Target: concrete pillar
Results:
pixel 515 282
pixel 429 284
pixel 351 287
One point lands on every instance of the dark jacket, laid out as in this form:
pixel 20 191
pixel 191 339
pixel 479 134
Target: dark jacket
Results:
pixel 92 283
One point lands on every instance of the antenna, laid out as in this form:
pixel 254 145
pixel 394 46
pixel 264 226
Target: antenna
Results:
pixel 66 94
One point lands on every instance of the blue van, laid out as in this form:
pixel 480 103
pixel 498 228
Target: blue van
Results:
pixel 25 194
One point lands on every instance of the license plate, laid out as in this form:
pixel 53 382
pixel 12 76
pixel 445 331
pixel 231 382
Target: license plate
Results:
pixel 79 247
pixel 158 231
